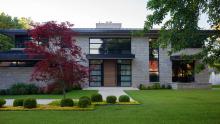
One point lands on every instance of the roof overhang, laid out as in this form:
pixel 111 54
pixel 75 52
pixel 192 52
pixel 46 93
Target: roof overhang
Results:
pixel 110 56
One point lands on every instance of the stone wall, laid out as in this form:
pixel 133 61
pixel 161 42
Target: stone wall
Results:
pixel 13 75
pixel 83 42
pixel 140 65
pixel 165 67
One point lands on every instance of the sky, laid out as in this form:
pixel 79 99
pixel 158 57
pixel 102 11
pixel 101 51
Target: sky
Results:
pixel 84 13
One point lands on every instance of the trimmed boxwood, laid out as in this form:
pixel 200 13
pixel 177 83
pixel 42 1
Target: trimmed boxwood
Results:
pixel 18 102
pixel 96 97
pixel 30 103
pixel 124 98
pixel 2 102
pixel 111 99
pixel 84 102
pixel 66 102
pixel 86 97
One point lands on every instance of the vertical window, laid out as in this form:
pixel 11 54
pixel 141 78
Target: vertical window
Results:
pixel 96 73
pixel 124 73
pixel 153 63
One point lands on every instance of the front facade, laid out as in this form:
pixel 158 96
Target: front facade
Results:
pixel 117 59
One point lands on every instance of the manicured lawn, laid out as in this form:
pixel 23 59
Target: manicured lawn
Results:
pixel 73 94
pixel 158 107
pixel 215 86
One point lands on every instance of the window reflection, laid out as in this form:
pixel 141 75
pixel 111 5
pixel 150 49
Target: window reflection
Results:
pixel 110 46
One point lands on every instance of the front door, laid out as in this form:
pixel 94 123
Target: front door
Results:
pixel 110 73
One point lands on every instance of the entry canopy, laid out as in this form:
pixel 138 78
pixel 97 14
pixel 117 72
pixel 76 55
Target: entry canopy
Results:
pixel 110 56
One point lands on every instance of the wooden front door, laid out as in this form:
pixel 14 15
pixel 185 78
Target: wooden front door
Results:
pixel 110 73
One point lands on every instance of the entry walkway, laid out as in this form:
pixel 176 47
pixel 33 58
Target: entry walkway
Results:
pixel 107 91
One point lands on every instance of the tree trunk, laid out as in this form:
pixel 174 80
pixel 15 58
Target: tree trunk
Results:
pixel 64 90
pixel 63 83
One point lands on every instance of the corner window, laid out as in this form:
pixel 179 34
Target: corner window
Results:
pixel 183 71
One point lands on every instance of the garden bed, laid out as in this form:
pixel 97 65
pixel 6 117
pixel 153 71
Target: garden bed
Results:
pixel 47 107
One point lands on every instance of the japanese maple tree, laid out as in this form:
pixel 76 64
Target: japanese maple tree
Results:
pixel 62 60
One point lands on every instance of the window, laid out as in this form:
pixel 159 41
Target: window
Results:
pixel 17 63
pixel 96 73
pixel 153 63
pixel 124 73
pixel 183 71
pixel 20 40
pixel 110 46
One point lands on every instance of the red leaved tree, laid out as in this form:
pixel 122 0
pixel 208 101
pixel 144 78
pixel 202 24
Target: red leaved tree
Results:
pixel 62 60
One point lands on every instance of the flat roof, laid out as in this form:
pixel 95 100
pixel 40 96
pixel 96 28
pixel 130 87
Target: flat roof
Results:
pixel 99 31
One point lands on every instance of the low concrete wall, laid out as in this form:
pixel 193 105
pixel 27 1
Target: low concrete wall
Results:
pixel 191 86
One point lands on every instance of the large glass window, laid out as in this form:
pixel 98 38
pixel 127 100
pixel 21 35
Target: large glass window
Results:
pixel 153 63
pixel 124 73
pixel 20 40
pixel 96 73
pixel 110 46
pixel 17 63
pixel 183 71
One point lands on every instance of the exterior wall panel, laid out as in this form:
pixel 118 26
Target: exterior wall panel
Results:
pixel 140 65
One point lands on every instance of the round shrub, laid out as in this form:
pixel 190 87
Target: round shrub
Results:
pixel 2 102
pixel 30 103
pixel 111 99
pixel 96 97
pixel 18 102
pixel 66 102
pixel 124 98
pixel 86 97
pixel 84 102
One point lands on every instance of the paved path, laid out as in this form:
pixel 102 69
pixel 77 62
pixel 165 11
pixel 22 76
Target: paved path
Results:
pixel 107 91
pixel 9 102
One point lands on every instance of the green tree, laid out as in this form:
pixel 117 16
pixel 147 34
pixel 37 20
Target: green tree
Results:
pixel 180 27
pixel 8 22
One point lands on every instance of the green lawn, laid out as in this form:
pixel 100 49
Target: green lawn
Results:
pixel 73 94
pixel 215 86
pixel 158 107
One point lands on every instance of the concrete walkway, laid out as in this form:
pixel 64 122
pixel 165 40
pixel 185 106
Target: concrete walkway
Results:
pixel 9 102
pixel 107 91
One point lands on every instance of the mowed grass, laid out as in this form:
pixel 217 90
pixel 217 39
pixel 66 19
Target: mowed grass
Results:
pixel 158 107
pixel 72 94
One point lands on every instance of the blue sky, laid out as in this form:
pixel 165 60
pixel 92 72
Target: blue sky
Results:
pixel 83 13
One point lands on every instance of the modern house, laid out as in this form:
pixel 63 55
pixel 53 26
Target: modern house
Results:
pixel 118 59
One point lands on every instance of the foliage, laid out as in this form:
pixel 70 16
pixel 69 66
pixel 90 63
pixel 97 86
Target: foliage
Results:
pixel 84 102
pixel 18 102
pixel 86 97
pixel 30 103
pixel 124 98
pixel 154 86
pixel 181 30
pixel 8 22
pixel 66 102
pixel 2 102
pixel 63 59
pixel 111 99
pixel 22 89
pixel 96 97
